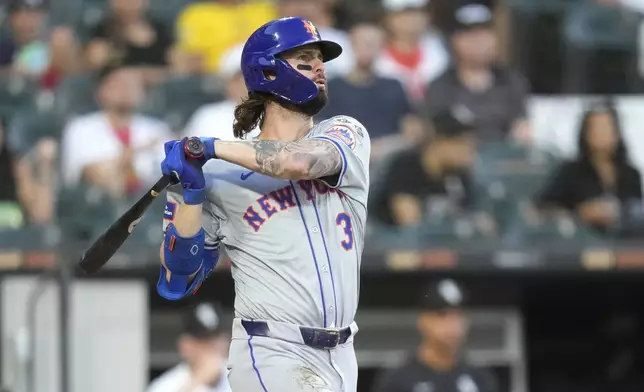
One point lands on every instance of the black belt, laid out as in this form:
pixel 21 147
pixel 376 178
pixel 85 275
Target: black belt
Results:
pixel 313 337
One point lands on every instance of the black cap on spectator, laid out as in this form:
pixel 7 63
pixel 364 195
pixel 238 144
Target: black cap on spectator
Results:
pixel 453 123
pixel 203 321
pixel 20 5
pixel 471 16
pixel 441 295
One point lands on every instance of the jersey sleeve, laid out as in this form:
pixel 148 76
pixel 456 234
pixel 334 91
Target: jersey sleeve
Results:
pixel 352 141
pixel 210 222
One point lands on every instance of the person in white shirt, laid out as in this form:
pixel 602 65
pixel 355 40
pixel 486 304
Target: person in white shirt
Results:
pixel 114 149
pixel 203 346
pixel 415 53
pixel 216 119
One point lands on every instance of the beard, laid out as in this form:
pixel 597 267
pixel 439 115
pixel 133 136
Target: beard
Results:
pixel 310 108
pixel 315 105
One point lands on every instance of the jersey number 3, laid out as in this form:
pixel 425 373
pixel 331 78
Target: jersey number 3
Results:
pixel 345 221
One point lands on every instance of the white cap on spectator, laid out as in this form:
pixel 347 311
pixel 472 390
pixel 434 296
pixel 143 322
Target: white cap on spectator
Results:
pixel 473 14
pixel 400 5
pixel 230 63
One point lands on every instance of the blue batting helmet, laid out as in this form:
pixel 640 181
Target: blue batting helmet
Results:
pixel 260 58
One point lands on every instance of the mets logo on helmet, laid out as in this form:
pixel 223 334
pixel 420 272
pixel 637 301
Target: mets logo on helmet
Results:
pixel 311 29
pixel 344 134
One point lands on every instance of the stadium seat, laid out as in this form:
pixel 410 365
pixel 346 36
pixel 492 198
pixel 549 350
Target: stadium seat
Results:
pixel 29 126
pixel 380 238
pixel 528 228
pixel 601 50
pixel 85 212
pixel 88 14
pixel 511 174
pixel 75 95
pixel 176 100
pixel 31 238
pixel 16 93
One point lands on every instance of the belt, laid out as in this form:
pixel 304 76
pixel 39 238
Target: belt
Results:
pixel 322 338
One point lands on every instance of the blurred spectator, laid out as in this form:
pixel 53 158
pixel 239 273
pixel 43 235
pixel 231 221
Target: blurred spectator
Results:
pixel 437 364
pixel 321 14
pixel 379 103
pixel 127 36
pixel 25 50
pixel 27 192
pixel 495 94
pixel 32 49
pixel 434 180
pixel 601 183
pixel 206 29
pixel 341 13
pixel 415 53
pixel 203 347
pixel 216 119
pixel 114 149
pixel 63 57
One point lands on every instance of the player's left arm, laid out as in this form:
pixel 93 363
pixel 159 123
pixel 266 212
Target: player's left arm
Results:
pixel 338 154
pixel 304 159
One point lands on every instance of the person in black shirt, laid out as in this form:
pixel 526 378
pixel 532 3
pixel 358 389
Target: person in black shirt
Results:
pixel 494 93
pixel 600 184
pixel 127 37
pixel 437 366
pixel 434 180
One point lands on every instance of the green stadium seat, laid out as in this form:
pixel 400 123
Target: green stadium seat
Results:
pixel 75 95
pixel 31 238
pixel 16 93
pixel 176 100
pixel 28 127
pixel 89 14
pixel 510 174
pixel 531 229
pixel 542 5
pixel 601 50
pixel 379 238
pixel 85 212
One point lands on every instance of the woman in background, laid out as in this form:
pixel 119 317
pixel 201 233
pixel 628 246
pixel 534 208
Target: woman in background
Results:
pixel 600 183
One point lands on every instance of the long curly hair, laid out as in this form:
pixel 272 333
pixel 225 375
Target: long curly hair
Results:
pixel 249 114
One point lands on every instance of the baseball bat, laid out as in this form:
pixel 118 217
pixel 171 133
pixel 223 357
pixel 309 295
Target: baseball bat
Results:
pixel 105 246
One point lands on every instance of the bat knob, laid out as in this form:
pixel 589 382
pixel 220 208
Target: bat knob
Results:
pixel 194 148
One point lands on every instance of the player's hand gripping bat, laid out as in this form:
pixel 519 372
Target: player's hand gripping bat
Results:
pixel 111 240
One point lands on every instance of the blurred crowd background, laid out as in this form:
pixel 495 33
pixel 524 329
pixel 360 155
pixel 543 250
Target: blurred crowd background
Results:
pixel 509 124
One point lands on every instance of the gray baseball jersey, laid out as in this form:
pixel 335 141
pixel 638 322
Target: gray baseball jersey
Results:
pixel 295 246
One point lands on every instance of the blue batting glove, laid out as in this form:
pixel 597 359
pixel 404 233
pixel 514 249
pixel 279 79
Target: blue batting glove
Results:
pixel 188 171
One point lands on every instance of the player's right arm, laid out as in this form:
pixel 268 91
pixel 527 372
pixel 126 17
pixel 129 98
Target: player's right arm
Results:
pixel 186 258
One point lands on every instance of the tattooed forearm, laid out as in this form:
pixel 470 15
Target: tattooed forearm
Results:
pixel 304 159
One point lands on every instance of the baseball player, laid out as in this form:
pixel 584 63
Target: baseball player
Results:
pixel 289 208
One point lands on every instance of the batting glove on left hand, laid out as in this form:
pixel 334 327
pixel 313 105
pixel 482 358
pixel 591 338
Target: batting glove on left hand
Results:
pixel 187 170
